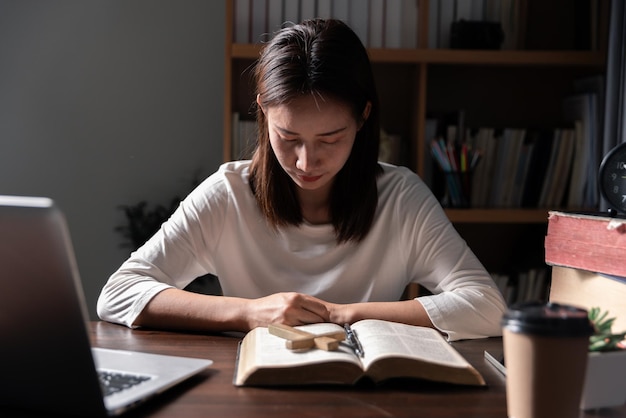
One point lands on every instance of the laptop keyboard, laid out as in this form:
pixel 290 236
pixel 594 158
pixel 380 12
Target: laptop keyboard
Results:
pixel 114 382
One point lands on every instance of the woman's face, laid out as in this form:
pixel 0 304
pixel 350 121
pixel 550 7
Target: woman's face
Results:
pixel 312 138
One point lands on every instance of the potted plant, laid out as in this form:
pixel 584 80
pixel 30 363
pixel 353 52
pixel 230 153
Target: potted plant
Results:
pixel 605 379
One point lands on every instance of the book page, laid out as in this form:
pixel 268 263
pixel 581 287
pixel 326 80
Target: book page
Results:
pixel 390 339
pixel 390 350
pixel 264 359
pixel 270 350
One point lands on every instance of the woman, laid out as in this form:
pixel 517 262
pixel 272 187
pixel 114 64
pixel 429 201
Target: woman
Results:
pixel 313 229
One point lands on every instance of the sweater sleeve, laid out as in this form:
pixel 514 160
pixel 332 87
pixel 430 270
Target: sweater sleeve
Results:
pixel 465 301
pixel 471 309
pixel 177 254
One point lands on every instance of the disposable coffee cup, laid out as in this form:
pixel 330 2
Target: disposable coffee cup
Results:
pixel 545 349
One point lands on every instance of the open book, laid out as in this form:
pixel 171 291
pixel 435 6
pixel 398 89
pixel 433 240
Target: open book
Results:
pixel 391 350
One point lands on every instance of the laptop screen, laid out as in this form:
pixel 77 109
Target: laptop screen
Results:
pixel 45 354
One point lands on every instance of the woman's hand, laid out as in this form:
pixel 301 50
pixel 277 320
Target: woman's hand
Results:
pixel 182 310
pixel 288 308
pixel 299 309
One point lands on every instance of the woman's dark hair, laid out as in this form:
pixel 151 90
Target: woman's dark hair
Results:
pixel 318 57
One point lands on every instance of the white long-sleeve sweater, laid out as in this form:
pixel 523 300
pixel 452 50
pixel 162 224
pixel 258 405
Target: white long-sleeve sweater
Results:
pixel 218 229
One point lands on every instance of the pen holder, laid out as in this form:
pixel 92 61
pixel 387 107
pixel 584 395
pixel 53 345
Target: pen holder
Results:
pixel 458 189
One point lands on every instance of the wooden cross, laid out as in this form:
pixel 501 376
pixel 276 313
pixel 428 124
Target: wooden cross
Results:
pixel 298 339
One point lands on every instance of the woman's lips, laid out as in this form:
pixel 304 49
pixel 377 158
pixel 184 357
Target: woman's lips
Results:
pixel 309 179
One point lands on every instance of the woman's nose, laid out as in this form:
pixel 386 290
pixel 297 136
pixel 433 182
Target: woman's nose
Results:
pixel 307 158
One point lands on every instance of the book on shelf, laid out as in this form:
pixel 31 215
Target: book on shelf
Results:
pixel 341 10
pixel 397 21
pixel 589 241
pixel 433 24
pixel 500 168
pixel 324 8
pixel 485 141
pixel 582 109
pixel 408 24
pixel 378 23
pixel 538 165
pixel 563 170
pixel 558 170
pixel 521 173
pixel 444 24
pixel 587 289
pixel 390 350
pixel 596 86
pixel 523 286
pixel 508 158
pixel 578 177
pixel 291 11
pixel 549 174
pixel 463 10
pixel 244 137
pixel 242 17
pixel 510 15
pixel 274 15
pixel 307 9
pixel 393 24
pixel 520 167
pixel 259 20
pixel 477 10
pixel 358 19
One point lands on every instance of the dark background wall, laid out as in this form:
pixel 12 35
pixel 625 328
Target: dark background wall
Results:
pixel 107 103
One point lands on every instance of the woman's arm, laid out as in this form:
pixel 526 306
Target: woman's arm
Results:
pixel 406 311
pixel 182 310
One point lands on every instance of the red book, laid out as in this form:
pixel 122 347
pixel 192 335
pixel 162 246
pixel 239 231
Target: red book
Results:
pixel 590 242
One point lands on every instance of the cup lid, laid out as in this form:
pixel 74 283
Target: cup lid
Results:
pixel 548 319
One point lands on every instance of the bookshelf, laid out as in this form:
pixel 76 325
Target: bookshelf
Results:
pixel 520 87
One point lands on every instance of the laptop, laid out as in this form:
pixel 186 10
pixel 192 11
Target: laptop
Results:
pixel 46 361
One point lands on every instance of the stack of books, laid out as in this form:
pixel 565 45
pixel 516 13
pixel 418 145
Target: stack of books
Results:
pixel 587 253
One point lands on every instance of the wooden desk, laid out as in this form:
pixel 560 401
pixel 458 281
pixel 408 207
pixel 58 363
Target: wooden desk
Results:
pixel 212 393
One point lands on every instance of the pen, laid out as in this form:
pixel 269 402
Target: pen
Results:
pixel 353 340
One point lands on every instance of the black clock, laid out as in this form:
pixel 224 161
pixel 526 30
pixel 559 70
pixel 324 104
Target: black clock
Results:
pixel 612 178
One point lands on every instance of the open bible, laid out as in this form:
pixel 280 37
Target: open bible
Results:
pixel 390 350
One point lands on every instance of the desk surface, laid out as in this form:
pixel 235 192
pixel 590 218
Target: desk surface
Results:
pixel 212 393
